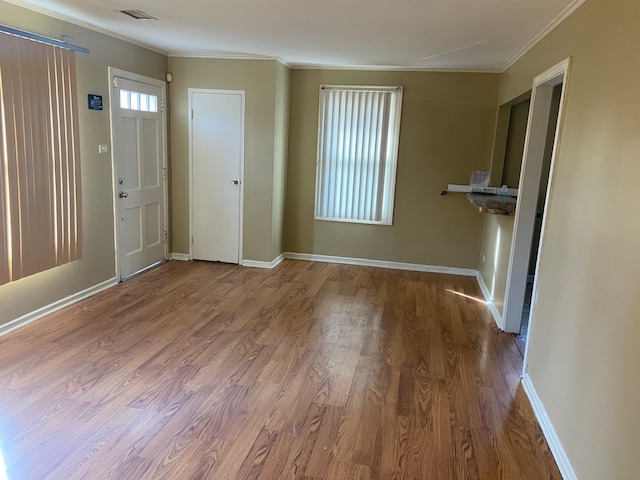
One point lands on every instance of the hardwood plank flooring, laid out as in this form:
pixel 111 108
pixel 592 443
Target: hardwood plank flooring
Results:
pixel 198 370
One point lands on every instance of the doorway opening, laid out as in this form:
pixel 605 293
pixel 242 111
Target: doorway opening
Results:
pixel 535 189
pixel 521 336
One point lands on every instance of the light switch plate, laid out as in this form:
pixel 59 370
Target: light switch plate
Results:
pixel 103 148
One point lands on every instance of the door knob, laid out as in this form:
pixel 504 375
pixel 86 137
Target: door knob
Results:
pixel 235 181
pixel 123 194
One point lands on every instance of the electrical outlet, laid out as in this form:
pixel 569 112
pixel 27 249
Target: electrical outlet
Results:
pixel 103 148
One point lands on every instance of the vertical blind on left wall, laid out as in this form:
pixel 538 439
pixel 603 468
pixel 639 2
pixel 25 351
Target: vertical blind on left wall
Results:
pixel 40 163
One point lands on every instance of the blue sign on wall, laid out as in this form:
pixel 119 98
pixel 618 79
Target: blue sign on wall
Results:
pixel 95 102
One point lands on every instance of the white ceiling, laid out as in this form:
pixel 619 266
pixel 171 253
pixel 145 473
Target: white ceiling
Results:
pixel 479 35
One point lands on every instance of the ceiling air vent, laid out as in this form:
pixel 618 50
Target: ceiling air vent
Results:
pixel 138 14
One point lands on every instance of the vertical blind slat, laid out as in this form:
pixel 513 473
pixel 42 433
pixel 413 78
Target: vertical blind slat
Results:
pixel 323 170
pixel 331 152
pixel 350 157
pixel 393 122
pixel 375 157
pixel 65 170
pixel 17 181
pixel 369 140
pixel 74 244
pixel 358 158
pixel 9 150
pixel 54 155
pixel 4 253
pixel 342 152
pixel 383 115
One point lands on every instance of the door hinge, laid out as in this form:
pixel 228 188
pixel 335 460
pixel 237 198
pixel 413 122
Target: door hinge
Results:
pixel 162 105
pixel 164 173
pixel 192 114
pixel 115 82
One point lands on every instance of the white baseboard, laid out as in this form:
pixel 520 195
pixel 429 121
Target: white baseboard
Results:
pixel 258 264
pixel 415 267
pixel 566 469
pixel 55 306
pixel 184 257
pixel 467 272
pixel 489 299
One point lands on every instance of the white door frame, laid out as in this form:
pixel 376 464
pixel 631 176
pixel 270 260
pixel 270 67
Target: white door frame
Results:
pixel 113 73
pixel 191 91
pixel 528 189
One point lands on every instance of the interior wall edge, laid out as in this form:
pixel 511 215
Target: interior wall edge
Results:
pixel 260 264
pixel 495 313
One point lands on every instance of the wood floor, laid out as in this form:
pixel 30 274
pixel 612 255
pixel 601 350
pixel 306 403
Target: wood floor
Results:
pixel 308 371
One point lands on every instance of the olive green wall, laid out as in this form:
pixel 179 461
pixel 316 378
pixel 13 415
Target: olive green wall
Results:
pixel 265 85
pixel 515 144
pixel 98 258
pixel 448 120
pixel 584 339
pixel 494 257
pixel 281 146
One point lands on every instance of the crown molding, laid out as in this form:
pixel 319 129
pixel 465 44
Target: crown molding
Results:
pixel 572 7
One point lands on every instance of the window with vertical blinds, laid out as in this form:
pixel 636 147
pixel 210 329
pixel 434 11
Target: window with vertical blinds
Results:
pixel 358 136
pixel 39 163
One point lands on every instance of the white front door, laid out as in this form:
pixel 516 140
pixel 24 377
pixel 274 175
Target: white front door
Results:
pixel 217 153
pixel 138 130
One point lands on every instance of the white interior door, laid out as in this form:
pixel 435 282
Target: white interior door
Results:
pixel 217 153
pixel 138 130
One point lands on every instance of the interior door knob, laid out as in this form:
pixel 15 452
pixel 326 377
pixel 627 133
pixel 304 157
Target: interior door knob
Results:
pixel 235 181
pixel 123 194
